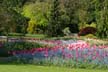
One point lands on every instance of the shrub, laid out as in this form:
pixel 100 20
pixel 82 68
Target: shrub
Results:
pixel 5 48
pixel 66 31
pixel 11 46
pixel 87 30
pixel 90 36
pixel 3 51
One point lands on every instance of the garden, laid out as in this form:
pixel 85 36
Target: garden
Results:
pixel 53 35
pixel 64 52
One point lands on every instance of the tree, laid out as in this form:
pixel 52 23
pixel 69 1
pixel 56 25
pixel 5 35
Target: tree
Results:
pixel 6 22
pixel 86 12
pixel 71 8
pixel 55 25
pixel 14 9
pixel 102 18
pixel 38 13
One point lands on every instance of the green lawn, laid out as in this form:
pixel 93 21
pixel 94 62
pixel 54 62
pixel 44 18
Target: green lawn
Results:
pixel 17 35
pixel 33 68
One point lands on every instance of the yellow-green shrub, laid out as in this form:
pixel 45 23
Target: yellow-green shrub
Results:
pixel 31 26
pixel 90 36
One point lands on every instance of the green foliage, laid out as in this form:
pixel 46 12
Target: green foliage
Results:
pixel 20 23
pixel 38 13
pixel 6 21
pixel 66 31
pixel 14 4
pixel 17 46
pixel 93 25
pixel 31 27
pixel 102 18
pixel 55 26
pixel 90 36
pixel 12 20
pixel 87 25
pixel 21 46
pixel 71 8
pixel 51 17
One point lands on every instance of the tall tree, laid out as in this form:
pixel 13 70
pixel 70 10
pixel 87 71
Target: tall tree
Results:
pixel 86 12
pixel 38 13
pixel 102 18
pixel 6 22
pixel 55 26
pixel 71 7
pixel 14 8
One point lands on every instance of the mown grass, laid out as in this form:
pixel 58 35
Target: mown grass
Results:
pixel 33 68
pixel 17 35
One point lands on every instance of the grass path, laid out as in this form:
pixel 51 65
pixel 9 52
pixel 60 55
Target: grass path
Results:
pixel 33 68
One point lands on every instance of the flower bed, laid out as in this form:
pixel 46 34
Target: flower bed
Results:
pixel 67 53
pixel 73 53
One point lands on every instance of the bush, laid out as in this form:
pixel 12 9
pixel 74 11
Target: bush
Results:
pixel 11 46
pixel 66 31
pixel 90 36
pixel 5 48
pixel 3 51
pixel 87 30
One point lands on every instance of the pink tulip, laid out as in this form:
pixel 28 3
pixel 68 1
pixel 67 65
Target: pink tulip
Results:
pixel 94 57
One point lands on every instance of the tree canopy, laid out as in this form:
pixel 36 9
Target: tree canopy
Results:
pixel 51 17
